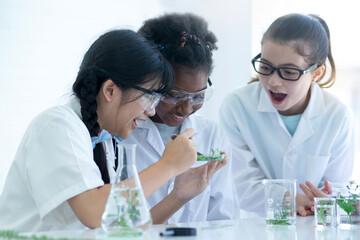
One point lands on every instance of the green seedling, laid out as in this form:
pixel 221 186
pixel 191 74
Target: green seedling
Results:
pixel 216 155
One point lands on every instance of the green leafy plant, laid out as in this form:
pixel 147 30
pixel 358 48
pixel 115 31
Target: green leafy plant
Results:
pixel 281 217
pixel 216 155
pixel 321 211
pixel 348 203
pixel 131 210
pixel 14 235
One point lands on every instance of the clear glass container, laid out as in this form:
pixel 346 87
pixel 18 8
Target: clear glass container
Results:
pixel 325 212
pixel 126 213
pixel 348 211
pixel 280 201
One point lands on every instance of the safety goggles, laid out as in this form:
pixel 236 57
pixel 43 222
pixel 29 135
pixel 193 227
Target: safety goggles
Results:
pixel 149 99
pixel 176 96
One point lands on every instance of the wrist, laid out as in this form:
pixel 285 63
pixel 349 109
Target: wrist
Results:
pixel 176 199
pixel 166 168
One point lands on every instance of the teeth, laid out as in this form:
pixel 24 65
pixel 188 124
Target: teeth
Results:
pixel 274 91
pixel 178 117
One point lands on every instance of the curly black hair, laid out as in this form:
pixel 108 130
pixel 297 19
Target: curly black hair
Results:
pixel 183 38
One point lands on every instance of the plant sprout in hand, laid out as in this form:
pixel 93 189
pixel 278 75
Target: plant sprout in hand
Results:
pixel 216 155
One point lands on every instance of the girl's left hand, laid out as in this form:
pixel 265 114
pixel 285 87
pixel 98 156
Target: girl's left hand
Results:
pixel 311 192
pixel 192 182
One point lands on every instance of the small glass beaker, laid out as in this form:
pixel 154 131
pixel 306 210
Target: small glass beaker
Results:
pixel 126 212
pixel 348 211
pixel 325 212
pixel 280 201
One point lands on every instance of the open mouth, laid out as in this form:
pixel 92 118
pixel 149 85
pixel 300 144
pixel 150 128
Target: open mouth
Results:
pixel 277 97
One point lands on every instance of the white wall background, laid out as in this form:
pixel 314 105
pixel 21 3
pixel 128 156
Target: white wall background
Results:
pixel 42 44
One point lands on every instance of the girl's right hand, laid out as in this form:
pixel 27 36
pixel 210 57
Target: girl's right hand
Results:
pixel 180 153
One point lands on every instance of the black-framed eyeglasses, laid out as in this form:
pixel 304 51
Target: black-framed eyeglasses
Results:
pixel 176 96
pixel 149 99
pixel 286 73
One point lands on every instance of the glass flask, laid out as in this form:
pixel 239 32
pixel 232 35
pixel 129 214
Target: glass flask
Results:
pixel 280 201
pixel 126 212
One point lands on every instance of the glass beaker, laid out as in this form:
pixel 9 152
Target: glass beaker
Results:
pixel 325 212
pixel 280 201
pixel 348 211
pixel 126 211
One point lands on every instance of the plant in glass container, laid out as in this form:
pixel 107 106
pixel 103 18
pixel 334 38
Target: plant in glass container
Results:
pixel 350 204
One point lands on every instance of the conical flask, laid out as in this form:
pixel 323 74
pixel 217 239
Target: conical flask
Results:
pixel 126 211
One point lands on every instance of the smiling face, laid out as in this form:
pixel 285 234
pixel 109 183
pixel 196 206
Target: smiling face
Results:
pixel 118 111
pixel 175 114
pixel 288 97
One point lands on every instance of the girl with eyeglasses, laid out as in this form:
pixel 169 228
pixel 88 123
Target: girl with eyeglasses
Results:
pixel 283 124
pixel 184 40
pixel 61 173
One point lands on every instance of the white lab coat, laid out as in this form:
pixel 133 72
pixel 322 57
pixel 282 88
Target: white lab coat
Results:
pixel 218 201
pixel 322 147
pixel 53 163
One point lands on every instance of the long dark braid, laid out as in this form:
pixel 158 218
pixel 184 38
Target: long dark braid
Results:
pixel 87 94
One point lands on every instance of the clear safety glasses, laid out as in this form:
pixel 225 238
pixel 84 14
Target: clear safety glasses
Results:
pixel 175 96
pixel 149 99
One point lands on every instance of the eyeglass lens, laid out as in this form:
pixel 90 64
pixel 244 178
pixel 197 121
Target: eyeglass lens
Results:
pixel 148 101
pixel 177 97
pixel 284 72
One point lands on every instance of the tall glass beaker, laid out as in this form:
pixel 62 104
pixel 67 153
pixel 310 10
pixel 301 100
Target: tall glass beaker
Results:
pixel 280 201
pixel 126 211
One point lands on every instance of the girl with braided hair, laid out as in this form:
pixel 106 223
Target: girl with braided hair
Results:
pixel 61 172
pixel 283 124
pixel 184 40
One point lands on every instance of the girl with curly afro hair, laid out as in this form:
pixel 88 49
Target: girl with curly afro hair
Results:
pixel 206 191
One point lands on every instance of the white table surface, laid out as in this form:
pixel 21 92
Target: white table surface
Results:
pixel 254 228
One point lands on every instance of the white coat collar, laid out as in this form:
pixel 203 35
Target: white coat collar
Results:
pixel 315 107
pixel 74 104
pixel 153 137
pixel 196 122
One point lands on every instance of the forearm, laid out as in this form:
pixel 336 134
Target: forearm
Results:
pixel 154 176
pixel 89 206
pixel 162 211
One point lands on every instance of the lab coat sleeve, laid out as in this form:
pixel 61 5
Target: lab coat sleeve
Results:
pixel 223 202
pixel 246 171
pixel 59 164
pixel 340 166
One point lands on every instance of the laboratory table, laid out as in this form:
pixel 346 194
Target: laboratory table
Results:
pixel 252 228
